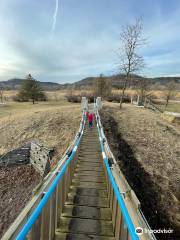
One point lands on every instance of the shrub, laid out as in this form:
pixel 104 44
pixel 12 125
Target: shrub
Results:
pixel 76 98
pixel 116 98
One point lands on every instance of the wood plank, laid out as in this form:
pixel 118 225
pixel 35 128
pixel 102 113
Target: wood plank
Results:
pixel 70 236
pixel 78 225
pixel 90 178
pixel 90 185
pixel 52 215
pixel 87 191
pixel 88 201
pixel 36 229
pixel 87 212
pixel 45 222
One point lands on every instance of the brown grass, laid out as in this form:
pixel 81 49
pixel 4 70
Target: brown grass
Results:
pixel 159 94
pixel 55 126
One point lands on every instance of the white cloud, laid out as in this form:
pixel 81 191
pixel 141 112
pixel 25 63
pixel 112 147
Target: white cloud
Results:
pixel 83 45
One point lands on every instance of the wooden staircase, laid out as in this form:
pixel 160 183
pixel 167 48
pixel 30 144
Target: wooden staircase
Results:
pixel 86 214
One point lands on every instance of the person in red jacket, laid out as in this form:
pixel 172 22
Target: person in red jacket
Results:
pixel 90 119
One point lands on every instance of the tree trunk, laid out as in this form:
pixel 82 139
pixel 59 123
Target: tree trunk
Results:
pixel 167 101
pixel 122 96
pixel 33 101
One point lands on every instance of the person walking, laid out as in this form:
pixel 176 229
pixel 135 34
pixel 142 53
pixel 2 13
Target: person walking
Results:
pixel 90 119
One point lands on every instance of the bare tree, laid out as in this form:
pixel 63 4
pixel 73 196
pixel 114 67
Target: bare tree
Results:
pixel 170 92
pixel 143 90
pixel 130 61
pixel 1 93
pixel 102 86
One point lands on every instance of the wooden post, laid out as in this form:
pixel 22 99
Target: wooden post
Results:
pixel 52 215
pixel 118 224
pixel 138 101
pixel 59 201
pixel 114 212
pixel 111 197
pixel 36 229
pixel 45 222
pixel 124 230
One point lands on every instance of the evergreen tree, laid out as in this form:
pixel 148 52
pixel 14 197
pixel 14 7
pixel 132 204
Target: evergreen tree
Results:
pixel 31 91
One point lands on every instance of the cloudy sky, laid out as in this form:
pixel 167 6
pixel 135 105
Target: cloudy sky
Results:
pixel 67 40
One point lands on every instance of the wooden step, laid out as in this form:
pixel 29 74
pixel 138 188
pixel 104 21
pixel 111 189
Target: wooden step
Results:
pixel 89 143
pixel 89 159
pixel 89 178
pixel 89 173
pixel 86 172
pixel 88 164
pixel 88 226
pixel 89 168
pixel 83 191
pixel 92 201
pixel 89 156
pixel 87 212
pixel 70 236
pixel 94 185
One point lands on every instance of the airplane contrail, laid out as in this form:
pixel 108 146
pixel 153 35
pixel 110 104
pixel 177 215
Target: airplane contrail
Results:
pixel 55 15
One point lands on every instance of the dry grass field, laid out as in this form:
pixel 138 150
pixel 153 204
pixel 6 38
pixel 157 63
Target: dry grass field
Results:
pixel 159 94
pixel 52 95
pixel 52 123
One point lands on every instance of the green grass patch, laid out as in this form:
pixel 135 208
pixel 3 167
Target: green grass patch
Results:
pixel 173 107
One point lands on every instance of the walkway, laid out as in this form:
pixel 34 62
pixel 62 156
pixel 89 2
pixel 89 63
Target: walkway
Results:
pixel 86 213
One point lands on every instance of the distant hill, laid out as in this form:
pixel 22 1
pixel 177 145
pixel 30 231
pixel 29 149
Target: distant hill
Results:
pixel 15 83
pixel 116 80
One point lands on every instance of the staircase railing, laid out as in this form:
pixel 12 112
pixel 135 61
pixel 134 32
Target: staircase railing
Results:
pixel 42 214
pixel 127 218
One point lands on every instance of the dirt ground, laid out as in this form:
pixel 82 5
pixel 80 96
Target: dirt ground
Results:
pixel 15 191
pixel 54 126
pixel 148 154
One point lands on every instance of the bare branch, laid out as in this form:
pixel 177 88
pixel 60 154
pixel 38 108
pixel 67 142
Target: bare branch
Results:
pixel 129 60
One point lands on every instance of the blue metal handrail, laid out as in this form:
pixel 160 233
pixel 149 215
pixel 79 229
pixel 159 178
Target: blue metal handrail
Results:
pixel 37 211
pixel 120 200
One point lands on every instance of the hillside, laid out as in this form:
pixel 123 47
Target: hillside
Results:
pixel 116 80
pixel 15 83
